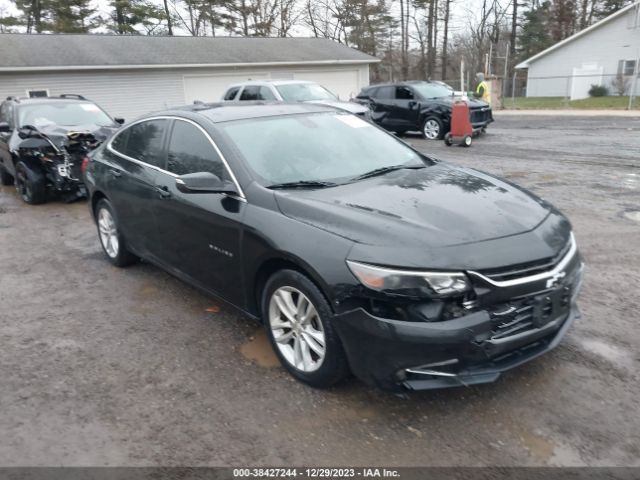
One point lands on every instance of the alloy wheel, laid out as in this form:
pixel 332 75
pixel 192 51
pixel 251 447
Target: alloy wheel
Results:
pixel 297 329
pixel 108 232
pixel 431 129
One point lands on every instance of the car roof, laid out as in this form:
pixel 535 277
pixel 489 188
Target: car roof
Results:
pixel 404 82
pixel 45 100
pixel 270 82
pixel 225 112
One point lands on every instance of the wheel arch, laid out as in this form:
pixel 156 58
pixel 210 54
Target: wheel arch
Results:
pixel 95 198
pixel 270 266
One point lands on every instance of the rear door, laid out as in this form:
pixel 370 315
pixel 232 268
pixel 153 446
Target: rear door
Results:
pixel 382 105
pixel 136 155
pixel 200 232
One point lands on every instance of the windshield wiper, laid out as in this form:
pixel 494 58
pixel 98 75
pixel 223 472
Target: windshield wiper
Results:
pixel 302 184
pixel 383 170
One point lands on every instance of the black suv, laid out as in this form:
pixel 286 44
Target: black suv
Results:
pixel 419 106
pixel 43 142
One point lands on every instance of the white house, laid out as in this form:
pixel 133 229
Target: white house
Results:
pixel 593 56
pixel 132 75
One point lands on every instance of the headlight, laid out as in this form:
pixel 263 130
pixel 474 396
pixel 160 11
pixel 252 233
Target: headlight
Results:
pixel 407 282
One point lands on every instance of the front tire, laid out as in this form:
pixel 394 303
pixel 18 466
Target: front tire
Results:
pixel 6 178
pixel 297 318
pixel 432 128
pixel 112 241
pixel 30 184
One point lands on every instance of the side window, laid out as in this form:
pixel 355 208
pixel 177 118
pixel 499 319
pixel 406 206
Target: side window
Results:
pixel 404 93
pixel 145 142
pixel 231 93
pixel 190 151
pixel 250 92
pixel 265 93
pixel 385 93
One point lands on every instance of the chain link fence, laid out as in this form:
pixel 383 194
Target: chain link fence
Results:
pixel 579 91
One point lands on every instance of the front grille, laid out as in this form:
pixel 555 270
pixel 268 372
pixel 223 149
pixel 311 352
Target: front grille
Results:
pixel 480 115
pixel 526 269
pixel 529 313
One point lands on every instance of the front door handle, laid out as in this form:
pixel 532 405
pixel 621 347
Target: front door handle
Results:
pixel 163 191
pixel 115 173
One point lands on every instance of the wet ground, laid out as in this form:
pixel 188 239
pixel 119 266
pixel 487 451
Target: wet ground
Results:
pixel 103 366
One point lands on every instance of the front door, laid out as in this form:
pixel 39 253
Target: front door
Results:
pixel 200 232
pixel 406 107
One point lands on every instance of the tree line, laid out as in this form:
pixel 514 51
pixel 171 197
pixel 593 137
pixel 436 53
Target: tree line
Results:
pixel 415 39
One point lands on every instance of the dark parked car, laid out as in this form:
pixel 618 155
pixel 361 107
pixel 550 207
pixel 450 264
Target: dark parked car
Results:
pixel 44 140
pixel 356 251
pixel 419 106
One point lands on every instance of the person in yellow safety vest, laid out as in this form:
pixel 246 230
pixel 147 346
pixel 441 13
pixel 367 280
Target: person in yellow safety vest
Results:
pixel 482 89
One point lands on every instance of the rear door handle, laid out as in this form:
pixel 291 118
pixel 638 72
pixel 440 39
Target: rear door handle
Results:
pixel 115 173
pixel 163 191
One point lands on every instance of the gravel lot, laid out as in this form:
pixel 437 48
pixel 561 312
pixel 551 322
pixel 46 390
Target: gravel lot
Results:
pixel 102 366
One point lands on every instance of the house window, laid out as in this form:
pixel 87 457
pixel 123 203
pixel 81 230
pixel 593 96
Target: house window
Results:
pixel 627 67
pixel 38 93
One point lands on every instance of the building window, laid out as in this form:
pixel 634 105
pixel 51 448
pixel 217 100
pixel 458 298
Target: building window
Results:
pixel 627 67
pixel 38 93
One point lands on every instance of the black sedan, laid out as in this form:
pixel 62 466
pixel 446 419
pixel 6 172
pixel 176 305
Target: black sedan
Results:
pixel 357 252
pixel 419 106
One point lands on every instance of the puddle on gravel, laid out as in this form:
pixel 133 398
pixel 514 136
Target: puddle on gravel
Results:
pixel 631 181
pixel 632 215
pixel 611 353
pixel 258 349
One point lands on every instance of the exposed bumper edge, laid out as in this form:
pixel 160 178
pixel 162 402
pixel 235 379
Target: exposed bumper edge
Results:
pixel 379 350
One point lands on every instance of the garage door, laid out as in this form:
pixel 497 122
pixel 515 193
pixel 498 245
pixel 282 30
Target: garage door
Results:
pixel 210 88
pixel 343 83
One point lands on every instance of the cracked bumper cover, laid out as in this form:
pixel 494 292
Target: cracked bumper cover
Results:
pixel 380 350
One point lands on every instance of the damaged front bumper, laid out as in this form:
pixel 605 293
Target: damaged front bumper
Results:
pixel 471 349
pixel 399 355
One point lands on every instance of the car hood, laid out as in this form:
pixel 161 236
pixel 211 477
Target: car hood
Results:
pixel 350 107
pixel 440 216
pixel 59 133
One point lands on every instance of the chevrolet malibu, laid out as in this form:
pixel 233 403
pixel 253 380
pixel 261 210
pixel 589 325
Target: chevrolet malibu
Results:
pixel 358 253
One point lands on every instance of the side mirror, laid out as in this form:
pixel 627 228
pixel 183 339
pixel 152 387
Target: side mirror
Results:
pixel 4 127
pixel 363 97
pixel 27 131
pixel 204 182
pixel 119 120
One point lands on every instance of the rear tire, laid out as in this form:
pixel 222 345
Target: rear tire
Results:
pixel 466 142
pixel 113 242
pixel 297 318
pixel 5 177
pixel 30 184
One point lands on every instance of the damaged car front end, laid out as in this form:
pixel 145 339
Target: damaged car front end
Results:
pixel 58 153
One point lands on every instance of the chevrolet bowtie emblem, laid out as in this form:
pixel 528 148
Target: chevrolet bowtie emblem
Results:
pixel 553 281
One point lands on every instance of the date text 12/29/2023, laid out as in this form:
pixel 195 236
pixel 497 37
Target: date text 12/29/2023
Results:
pixel 315 472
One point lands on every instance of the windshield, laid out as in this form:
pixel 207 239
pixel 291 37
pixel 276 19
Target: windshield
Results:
pixel 66 114
pixel 325 147
pixel 304 92
pixel 432 90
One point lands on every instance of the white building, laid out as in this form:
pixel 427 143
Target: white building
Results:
pixel 593 56
pixel 132 75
